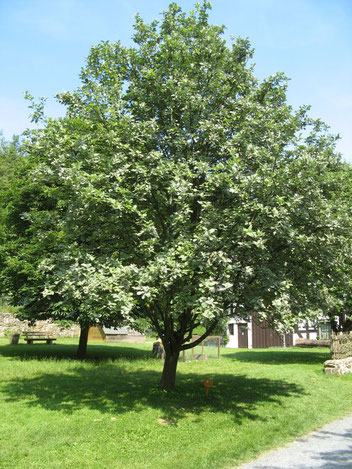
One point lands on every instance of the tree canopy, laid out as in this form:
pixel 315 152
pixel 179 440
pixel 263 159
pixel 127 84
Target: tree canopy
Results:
pixel 179 189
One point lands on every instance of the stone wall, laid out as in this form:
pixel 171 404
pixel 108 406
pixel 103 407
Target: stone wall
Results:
pixel 341 346
pixel 338 367
pixel 8 322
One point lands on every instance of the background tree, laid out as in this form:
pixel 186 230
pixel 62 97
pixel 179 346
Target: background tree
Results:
pixel 183 186
pixel 11 160
pixel 39 212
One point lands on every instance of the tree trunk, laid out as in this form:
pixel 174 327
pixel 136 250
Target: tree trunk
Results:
pixel 168 376
pixel 83 339
pixel 284 340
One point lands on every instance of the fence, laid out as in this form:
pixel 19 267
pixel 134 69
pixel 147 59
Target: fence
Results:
pixel 209 348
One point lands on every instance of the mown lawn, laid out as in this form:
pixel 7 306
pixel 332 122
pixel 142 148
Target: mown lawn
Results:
pixel 106 411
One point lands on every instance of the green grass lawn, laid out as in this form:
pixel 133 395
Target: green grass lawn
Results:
pixel 106 411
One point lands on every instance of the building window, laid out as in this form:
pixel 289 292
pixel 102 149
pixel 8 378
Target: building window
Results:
pixel 243 328
pixel 324 331
pixel 231 329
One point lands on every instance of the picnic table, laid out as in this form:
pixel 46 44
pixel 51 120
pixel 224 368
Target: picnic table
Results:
pixel 31 336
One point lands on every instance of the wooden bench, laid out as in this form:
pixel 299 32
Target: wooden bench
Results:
pixel 31 336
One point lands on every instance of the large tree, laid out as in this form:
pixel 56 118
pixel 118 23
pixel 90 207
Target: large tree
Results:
pixel 185 187
pixel 339 286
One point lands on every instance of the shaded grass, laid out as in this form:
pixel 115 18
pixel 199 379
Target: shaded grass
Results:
pixel 106 411
pixel 67 349
pixel 281 356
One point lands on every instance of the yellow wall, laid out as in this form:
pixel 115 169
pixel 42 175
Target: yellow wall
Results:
pixel 96 334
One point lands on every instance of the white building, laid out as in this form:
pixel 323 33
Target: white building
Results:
pixel 252 333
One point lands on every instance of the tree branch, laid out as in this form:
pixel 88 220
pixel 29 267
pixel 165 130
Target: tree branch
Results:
pixel 202 337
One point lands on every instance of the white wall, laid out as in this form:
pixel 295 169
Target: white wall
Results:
pixel 311 335
pixel 233 339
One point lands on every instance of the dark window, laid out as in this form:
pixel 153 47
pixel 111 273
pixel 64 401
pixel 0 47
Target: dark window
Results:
pixel 231 329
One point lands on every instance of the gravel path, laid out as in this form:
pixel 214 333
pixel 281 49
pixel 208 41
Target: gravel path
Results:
pixel 328 448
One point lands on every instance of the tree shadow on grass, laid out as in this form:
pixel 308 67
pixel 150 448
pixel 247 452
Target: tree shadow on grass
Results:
pixel 280 357
pixel 108 388
pixel 69 351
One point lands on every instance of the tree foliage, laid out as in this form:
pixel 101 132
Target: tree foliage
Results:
pixel 177 186
pixel 11 160
pixel 339 284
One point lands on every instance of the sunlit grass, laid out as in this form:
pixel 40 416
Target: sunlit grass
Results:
pixel 106 411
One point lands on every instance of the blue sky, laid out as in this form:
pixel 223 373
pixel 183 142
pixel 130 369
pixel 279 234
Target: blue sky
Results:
pixel 43 45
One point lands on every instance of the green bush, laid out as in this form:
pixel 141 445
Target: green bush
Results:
pixel 6 307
